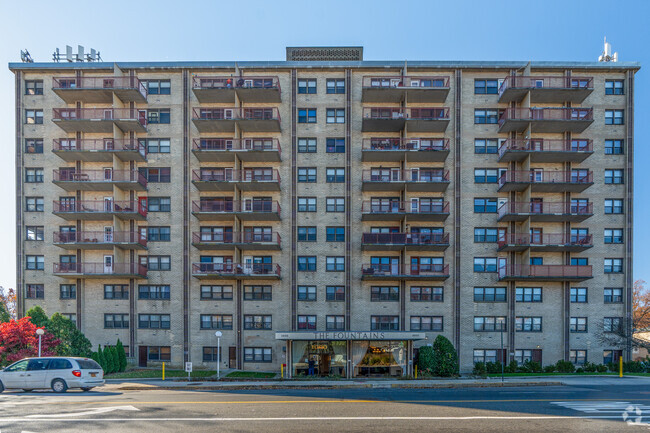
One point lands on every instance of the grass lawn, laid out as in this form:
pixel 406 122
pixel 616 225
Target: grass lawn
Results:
pixel 609 373
pixel 251 375
pixel 157 374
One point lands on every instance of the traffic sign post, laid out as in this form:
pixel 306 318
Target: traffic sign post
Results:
pixel 188 368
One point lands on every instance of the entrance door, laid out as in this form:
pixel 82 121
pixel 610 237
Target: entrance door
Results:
pixel 232 357
pixel 248 264
pixel 324 364
pixel 109 144
pixel 536 205
pixel 108 204
pixel 108 234
pixel 108 264
pixel 142 356
pixel 108 174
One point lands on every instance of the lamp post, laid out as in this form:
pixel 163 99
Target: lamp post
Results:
pixel 503 358
pixel 218 334
pixel 40 333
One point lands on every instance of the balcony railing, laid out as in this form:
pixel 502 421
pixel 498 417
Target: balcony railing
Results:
pixel 532 240
pixel 100 237
pixel 405 270
pixel 537 82
pixel 237 269
pixel 582 177
pixel 545 145
pixel 229 175
pixel 406 81
pixel 101 269
pixel 236 114
pixel 235 144
pixel 409 144
pixel 545 208
pixel 272 238
pixel 98 114
pixel 99 83
pixel 235 83
pixel 545 271
pixel 99 207
pixel 413 175
pixel 546 119
pixel 72 145
pixel 396 113
pixel 414 239
pixel 222 206
pixel 109 176
pixel 404 207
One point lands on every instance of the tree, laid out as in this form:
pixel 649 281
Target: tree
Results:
pixel 113 361
pixel 18 340
pixel 4 314
pixel 445 358
pixel 101 360
pixel 121 354
pixel 73 341
pixel 620 332
pixel 38 316
pixel 7 303
pixel 426 360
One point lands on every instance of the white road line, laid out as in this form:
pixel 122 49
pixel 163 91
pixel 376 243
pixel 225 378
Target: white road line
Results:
pixel 95 411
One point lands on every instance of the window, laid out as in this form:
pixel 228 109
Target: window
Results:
pixel 486 235
pixel 613 147
pixel 159 204
pixel 34 204
pixel 384 323
pixel 577 261
pixel 211 354
pixel 156 145
pixel 307 322
pixel 612 324
pixel 335 145
pixel 156 234
pixel 578 324
pixel 613 206
pixel 34 233
pixel 610 356
pixel 161 115
pixel 335 264
pixel 307 175
pixel 426 323
pixel 307 263
pixel 306 293
pixel 258 293
pixel 486 116
pixel 154 321
pixel 524 355
pixel 528 324
pixel 335 293
pixel 33 175
pixel 336 115
pixel 257 354
pixel 306 234
pixel 528 294
pixel 306 145
pixel 35 263
pixel 254 321
pixel 33 145
pixel 578 295
pixel 335 323
pixel 486 87
pixel 427 294
pixel 335 204
pixel 116 321
pixel 68 291
pixel 335 234
pixel 216 321
pixel 116 291
pixel 156 263
pixel 485 264
pixel 33 87
pixel 335 85
pixel 159 353
pixel 482 355
pixel 335 175
pixel 306 86
pixel 153 291
pixel 577 356
pixel 490 323
pixel 613 266
pixel 486 145
pixel 34 117
pixel 613 295
pixel 614 117
pixel 613 176
pixel 613 87
pixel 306 204
pixel 613 236
pixel 159 87
pixel 489 294
pixel 156 174
pixel 307 115
pixel 486 175
pixel 35 291
pixel 485 205
pixel 378 293
pixel 73 318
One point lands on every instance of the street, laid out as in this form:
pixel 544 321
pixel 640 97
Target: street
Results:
pixel 589 406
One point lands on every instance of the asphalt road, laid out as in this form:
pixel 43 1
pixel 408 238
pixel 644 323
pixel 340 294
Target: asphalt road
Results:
pixel 592 408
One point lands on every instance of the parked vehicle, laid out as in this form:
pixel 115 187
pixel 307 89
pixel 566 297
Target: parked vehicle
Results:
pixel 58 373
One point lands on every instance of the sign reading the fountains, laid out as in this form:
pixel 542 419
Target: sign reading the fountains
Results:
pixel 350 335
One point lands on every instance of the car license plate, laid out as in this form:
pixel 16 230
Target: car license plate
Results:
pixel 93 374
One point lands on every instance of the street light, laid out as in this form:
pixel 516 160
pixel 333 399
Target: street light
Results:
pixel 218 334
pixel 40 333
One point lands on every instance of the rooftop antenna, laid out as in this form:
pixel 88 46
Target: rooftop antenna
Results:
pixel 79 56
pixel 25 56
pixel 607 55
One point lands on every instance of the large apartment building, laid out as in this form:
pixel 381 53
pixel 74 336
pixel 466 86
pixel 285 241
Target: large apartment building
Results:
pixel 328 209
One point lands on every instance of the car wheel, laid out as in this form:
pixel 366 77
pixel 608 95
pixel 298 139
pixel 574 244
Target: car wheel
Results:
pixel 59 385
pixel 2 387
pixel 86 389
pixel 28 390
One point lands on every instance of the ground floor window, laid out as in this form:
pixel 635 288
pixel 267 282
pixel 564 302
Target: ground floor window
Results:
pixel 379 358
pixel 319 358
pixel 257 354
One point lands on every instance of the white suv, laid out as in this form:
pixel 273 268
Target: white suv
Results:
pixel 53 372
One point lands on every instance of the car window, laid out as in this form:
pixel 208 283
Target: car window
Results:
pixel 88 364
pixel 59 364
pixel 19 366
pixel 37 364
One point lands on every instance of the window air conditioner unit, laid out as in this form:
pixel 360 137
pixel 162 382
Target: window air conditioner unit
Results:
pixel 415 83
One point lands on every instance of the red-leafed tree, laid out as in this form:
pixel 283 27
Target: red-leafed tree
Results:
pixel 18 340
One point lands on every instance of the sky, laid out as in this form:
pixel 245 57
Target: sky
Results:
pixel 565 30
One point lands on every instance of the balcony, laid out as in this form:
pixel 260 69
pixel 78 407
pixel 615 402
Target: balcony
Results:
pixel 513 272
pixel 248 89
pixel 100 120
pixel 99 90
pixel 99 210
pixel 225 179
pixel 247 210
pixel 408 241
pixel 546 181
pixel 546 89
pixel 546 119
pixel 397 149
pixel 394 179
pixel 543 150
pixel 236 271
pixel 246 149
pixel 242 241
pixel 248 119
pixel 100 270
pixel 394 119
pixel 545 211
pixel 100 240
pixel 400 88
pixel 99 180
pixel 102 150
pixel 544 242
pixel 404 272
pixel 398 210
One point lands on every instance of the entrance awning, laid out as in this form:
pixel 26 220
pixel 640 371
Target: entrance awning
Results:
pixel 350 335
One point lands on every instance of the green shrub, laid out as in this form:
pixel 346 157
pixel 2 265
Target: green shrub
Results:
pixel 101 359
pixel 633 367
pixel 565 367
pixel 612 367
pixel 533 366
pixel 601 368
pixel 445 358
pixel 121 355
pixel 549 368
pixel 580 370
pixel 425 359
pixel 493 367
pixel 479 369
pixel 512 367
pixel 589 367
